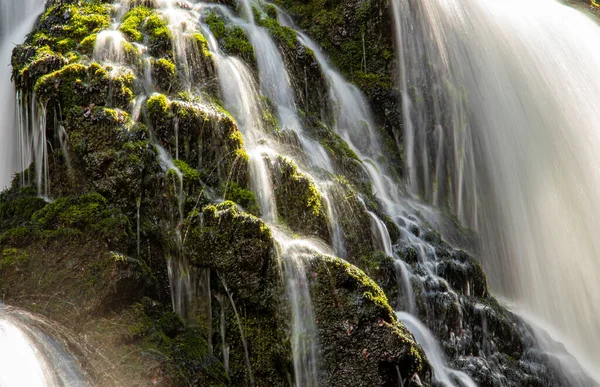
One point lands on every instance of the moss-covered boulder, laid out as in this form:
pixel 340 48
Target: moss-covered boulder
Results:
pixel 203 135
pixel 114 155
pixel 238 249
pixel 80 85
pixel 58 39
pixel 361 341
pixel 299 203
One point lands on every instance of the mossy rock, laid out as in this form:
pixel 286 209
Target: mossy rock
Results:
pixel 203 135
pixel 238 249
pixel 232 39
pixel 361 341
pixel 115 154
pixel 58 39
pixel 142 24
pixel 299 203
pixel 354 222
pixel 464 274
pixel 164 74
pixel 80 85
pixel 183 351
pixel 351 32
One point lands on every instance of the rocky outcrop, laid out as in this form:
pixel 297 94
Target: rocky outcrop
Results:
pixel 361 341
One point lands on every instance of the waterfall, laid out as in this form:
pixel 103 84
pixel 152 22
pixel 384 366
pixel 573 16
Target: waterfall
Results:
pixel 513 88
pixel 16 20
pixel 241 97
pixel 443 375
pixel 29 357
pixel 485 134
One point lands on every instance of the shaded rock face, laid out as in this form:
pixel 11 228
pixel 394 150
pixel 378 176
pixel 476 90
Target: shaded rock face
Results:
pixel 361 341
pixel 238 250
pixel 477 335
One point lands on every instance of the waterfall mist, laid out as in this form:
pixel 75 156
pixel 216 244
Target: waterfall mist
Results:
pixel 500 100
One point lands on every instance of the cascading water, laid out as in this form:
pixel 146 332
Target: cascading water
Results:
pixel 513 90
pixel 29 357
pixel 241 96
pixel 393 221
pixel 16 20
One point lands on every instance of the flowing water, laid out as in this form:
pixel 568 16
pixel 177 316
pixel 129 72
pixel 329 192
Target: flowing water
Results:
pixel 496 91
pixel 29 357
pixel 16 20
pixel 442 373
pixel 512 89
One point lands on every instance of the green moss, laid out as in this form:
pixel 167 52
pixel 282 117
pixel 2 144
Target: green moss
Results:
pixel 142 22
pixel 241 196
pixel 13 258
pixel 17 207
pixel 88 213
pixel 29 64
pixel 190 175
pixel 202 44
pixel 80 85
pixel 87 44
pixel 86 19
pixel 65 31
pixel 164 74
pixel 283 35
pixel 183 351
pixel 133 22
pixel 232 39
pixel 157 106
pixel 115 153
pixel 17 236
pixel 340 27
pixel 201 134
pixel 299 202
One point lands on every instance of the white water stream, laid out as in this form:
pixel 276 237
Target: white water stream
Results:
pixel 513 88
pixel 29 357
pixel 16 20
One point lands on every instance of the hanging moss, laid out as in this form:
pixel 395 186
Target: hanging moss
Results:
pixel 243 197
